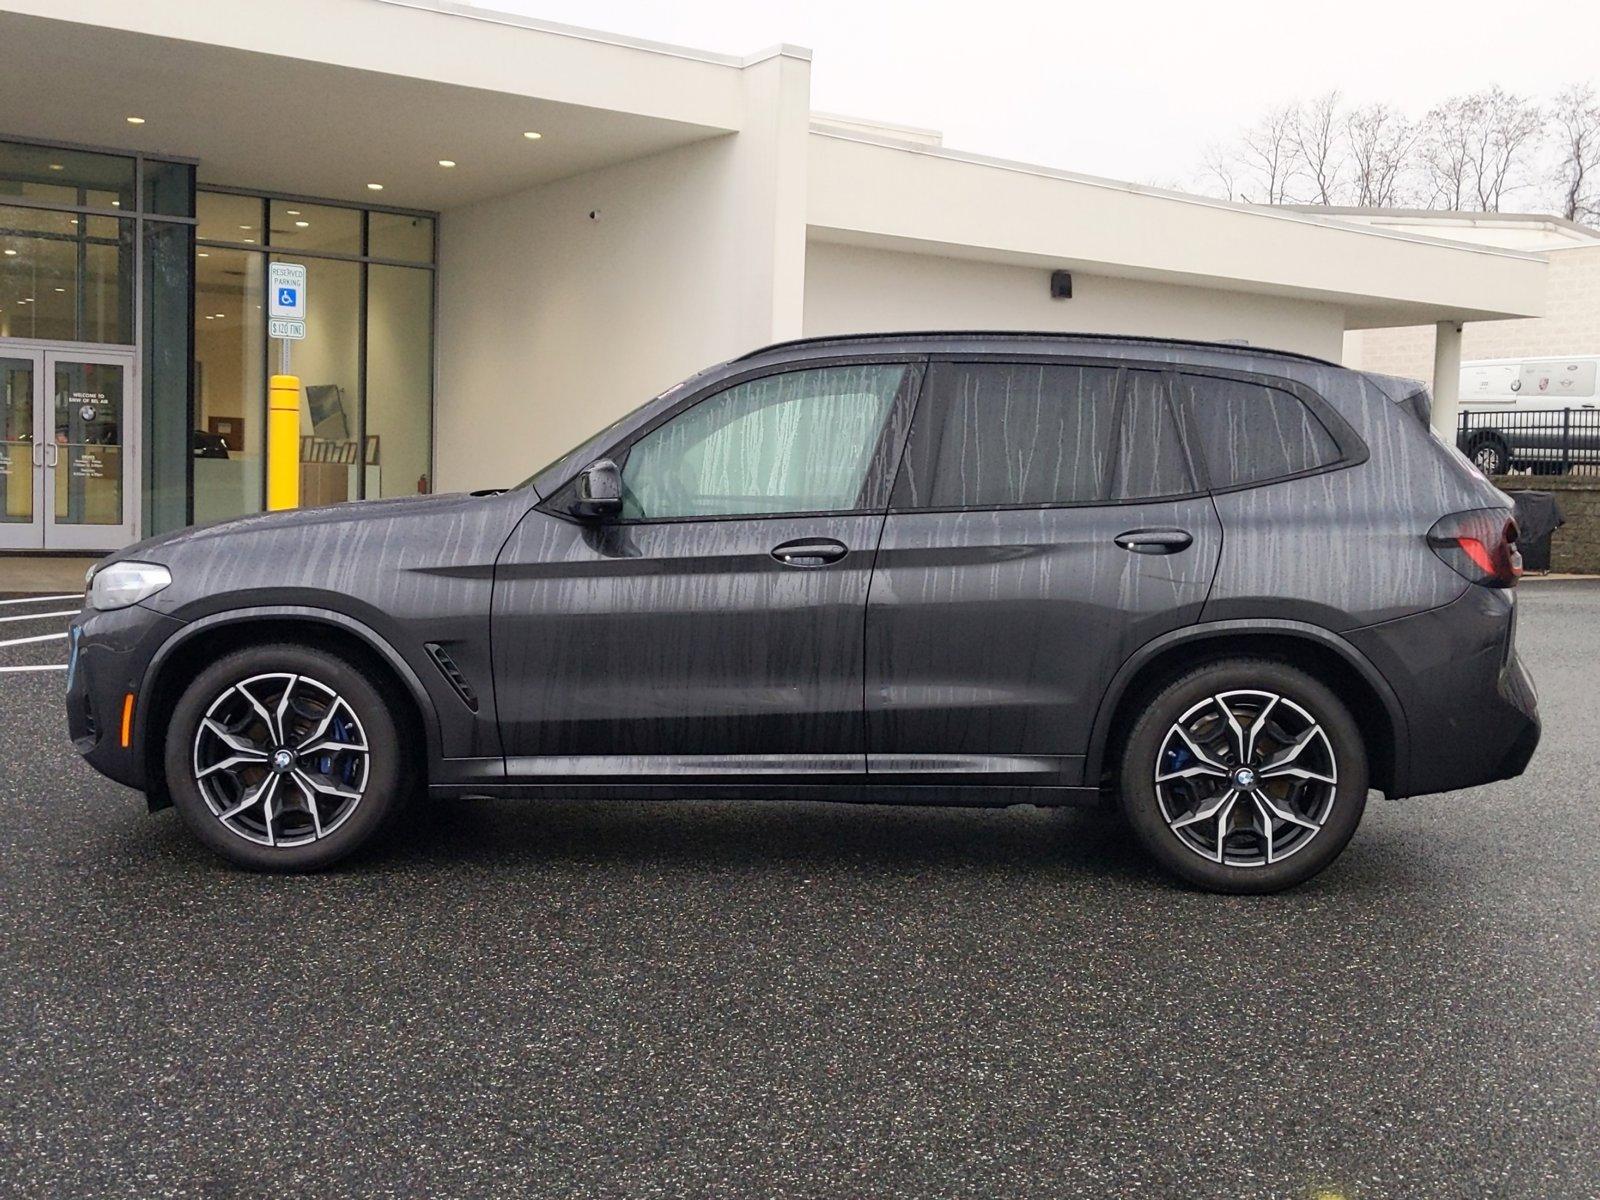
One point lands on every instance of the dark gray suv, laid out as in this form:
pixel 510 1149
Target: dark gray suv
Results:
pixel 1231 589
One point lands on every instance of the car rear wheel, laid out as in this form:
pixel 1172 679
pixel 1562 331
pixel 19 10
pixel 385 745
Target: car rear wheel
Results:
pixel 283 758
pixel 1490 456
pixel 1245 775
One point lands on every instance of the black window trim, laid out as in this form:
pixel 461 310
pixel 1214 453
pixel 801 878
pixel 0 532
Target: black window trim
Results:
pixel 883 465
pixel 1352 450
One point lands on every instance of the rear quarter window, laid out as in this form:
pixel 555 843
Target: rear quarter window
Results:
pixel 1249 432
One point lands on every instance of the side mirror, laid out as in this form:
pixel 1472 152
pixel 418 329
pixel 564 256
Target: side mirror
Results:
pixel 599 491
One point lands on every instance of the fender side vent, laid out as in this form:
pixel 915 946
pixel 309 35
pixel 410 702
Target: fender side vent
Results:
pixel 447 668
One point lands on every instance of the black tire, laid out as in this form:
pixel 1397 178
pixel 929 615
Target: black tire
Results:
pixel 1154 747
pixel 1490 456
pixel 384 784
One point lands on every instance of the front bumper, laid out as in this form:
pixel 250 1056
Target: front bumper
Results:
pixel 1471 710
pixel 109 654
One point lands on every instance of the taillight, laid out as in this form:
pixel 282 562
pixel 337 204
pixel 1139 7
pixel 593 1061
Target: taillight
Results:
pixel 1480 545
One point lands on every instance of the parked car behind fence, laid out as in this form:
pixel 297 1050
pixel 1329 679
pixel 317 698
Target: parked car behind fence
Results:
pixel 1554 441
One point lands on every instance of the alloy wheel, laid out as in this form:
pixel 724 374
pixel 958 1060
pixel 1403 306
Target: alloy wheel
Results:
pixel 1246 778
pixel 281 759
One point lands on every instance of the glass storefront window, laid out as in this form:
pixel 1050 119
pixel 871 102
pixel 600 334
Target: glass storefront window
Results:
pixel 399 381
pixel 400 236
pixel 328 364
pixel 65 277
pixel 225 218
pixel 72 177
pixel 315 228
pixel 230 382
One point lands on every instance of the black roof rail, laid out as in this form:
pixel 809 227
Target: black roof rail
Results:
pixel 1025 335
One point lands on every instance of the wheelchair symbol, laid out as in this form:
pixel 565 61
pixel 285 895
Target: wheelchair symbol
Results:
pixel 287 297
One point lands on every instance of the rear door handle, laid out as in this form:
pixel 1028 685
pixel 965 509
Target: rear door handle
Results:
pixel 1155 541
pixel 810 552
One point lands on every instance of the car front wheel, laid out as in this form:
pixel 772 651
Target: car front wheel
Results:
pixel 1244 775
pixel 283 758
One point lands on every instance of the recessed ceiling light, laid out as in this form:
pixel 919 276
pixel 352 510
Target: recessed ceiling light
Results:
pixel 293 212
pixel 61 289
pixel 74 220
pixel 57 167
pixel 209 317
pixel 221 315
pixel 11 253
pixel 302 224
pixel 116 204
pixel 249 241
pixel 204 254
pixel 246 228
pixel 135 120
pixel 447 162
pixel 532 136
pixel 376 187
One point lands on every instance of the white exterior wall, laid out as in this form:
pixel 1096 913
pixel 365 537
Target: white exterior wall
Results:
pixel 552 324
pixel 855 288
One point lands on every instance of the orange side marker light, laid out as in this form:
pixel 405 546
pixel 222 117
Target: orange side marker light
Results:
pixel 127 720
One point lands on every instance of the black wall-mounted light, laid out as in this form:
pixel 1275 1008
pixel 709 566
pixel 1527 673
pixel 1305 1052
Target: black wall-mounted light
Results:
pixel 1061 285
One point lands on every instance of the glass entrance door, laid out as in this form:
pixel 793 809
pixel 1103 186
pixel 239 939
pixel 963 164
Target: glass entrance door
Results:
pixel 68 453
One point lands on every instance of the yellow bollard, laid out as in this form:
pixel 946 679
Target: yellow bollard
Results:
pixel 283 443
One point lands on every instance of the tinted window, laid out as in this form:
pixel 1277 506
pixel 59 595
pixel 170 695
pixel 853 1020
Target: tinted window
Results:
pixel 797 442
pixel 1150 458
pixel 1251 431
pixel 992 434
pixel 989 435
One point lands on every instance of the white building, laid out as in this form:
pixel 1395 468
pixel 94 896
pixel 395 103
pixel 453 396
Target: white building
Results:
pixel 480 298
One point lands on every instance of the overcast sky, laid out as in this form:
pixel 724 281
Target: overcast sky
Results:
pixel 1133 89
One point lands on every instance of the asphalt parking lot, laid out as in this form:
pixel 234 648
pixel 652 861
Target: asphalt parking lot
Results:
pixel 592 999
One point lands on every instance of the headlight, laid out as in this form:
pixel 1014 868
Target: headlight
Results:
pixel 125 583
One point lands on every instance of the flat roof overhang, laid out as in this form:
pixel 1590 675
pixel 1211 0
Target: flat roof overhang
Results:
pixel 899 196
pixel 322 97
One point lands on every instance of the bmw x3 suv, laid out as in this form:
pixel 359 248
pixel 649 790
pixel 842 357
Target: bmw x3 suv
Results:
pixel 1227 589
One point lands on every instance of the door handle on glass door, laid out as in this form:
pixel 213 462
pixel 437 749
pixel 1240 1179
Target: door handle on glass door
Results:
pixel 52 458
pixel 1155 541
pixel 810 552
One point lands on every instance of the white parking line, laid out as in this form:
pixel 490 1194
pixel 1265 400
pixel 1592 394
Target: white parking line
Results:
pixel 42 599
pixel 47 667
pixel 71 612
pixel 43 637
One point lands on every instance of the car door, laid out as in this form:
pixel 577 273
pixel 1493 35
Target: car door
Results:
pixel 1046 522
pixel 714 629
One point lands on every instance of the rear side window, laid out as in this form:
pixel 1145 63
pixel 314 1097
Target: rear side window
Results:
pixel 996 435
pixel 1250 432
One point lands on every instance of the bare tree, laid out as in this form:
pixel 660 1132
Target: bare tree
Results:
pixel 1219 172
pixel 1507 133
pixel 1317 139
pixel 1446 159
pixel 1267 154
pixel 1381 142
pixel 1576 116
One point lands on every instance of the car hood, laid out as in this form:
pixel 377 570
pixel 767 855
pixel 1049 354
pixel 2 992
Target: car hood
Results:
pixel 162 548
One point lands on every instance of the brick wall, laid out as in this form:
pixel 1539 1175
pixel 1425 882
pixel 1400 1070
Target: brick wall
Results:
pixel 1571 325
pixel 1575 548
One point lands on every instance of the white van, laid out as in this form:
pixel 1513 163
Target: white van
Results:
pixel 1538 414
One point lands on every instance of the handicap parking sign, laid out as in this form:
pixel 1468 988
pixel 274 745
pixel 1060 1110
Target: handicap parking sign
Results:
pixel 286 291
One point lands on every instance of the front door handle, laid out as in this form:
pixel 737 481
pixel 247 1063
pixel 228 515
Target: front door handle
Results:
pixel 52 455
pixel 810 552
pixel 1155 541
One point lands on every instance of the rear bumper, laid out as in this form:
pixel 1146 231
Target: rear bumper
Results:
pixel 1471 710
pixel 108 655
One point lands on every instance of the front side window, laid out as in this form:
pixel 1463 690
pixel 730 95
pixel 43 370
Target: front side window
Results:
pixel 1250 432
pixel 999 435
pixel 802 441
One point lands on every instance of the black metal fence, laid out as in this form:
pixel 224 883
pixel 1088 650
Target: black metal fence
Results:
pixel 1557 441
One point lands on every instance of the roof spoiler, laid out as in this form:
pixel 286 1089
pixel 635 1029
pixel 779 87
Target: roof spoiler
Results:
pixel 1410 394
